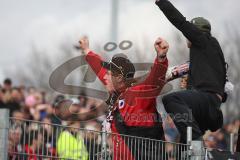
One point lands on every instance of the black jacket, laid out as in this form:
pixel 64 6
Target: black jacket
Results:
pixel 207 63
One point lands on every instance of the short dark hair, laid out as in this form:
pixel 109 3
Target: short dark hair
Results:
pixel 7 81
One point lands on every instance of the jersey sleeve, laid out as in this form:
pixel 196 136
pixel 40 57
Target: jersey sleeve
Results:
pixel 157 73
pixel 95 62
pixel 149 88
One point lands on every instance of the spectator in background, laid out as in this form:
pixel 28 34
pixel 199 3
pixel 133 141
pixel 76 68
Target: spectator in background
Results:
pixel 221 141
pixel 44 110
pixel 14 102
pixel 35 105
pixel 91 110
pixel 83 100
pixel 34 147
pixel 17 95
pixel 216 139
pixel 50 136
pixel 55 110
pixel 7 84
pixel 2 104
pixel 11 99
pixel 67 109
pixel 26 112
pixel 75 106
pixel 171 133
pixel 31 90
pixel 18 117
pixel 210 141
pixel 15 147
pixel 61 112
pixel 183 82
pixel 92 139
pixel 70 143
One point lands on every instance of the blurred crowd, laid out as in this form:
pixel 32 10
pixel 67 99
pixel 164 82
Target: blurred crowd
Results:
pixel 53 123
pixel 38 135
pixel 221 138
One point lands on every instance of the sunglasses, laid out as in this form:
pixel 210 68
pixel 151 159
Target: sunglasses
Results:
pixel 109 65
pixel 118 67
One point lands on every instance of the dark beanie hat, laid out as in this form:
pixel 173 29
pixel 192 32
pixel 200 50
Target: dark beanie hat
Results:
pixel 202 24
pixel 120 64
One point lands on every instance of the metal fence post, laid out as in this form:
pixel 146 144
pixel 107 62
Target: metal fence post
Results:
pixel 189 135
pixel 104 140
pixel 189 141
pixel 4 126
pixel 232 143
pixel 196 148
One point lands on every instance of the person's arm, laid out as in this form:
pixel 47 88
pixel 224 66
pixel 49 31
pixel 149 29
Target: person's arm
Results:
pixel 93 59
pixel 191 32
pixel 177 71
pixel 159 69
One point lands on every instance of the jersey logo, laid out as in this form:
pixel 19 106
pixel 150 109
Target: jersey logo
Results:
pixel 121 103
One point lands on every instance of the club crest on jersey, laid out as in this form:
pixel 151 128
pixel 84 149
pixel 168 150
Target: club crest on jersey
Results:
pixel 121 103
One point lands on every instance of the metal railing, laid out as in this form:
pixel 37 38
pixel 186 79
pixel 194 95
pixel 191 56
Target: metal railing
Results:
pixel 34 140
pixel 38 140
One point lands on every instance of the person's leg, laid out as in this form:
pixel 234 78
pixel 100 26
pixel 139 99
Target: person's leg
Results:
pixel 187 108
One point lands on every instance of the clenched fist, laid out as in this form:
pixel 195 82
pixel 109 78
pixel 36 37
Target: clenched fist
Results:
pixel 84 44
pixel 161 47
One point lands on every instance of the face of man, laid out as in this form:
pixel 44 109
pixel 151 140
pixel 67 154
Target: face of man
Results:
pixel 112 81
pixel 74 128
pixel 39 140
pixel 7 86
pixel 183 83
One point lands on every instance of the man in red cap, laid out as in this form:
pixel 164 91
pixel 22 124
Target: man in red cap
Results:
pixel 132 107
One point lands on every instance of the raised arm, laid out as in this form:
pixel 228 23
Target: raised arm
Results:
pixel 191 32
pixel 94 60
pixel 159 68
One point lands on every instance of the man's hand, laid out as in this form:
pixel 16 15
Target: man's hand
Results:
pixel 84 44
pixel 161 47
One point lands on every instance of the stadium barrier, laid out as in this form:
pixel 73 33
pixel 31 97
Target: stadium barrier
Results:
pixel 34 140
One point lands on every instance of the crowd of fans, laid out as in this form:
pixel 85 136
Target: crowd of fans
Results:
pixel 221 138
pixel 50 126
pixel 37 125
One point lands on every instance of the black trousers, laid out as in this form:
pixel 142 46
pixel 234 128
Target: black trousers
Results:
pixel 198 109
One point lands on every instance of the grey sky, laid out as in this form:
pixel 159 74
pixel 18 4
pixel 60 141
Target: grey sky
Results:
pixel 46 23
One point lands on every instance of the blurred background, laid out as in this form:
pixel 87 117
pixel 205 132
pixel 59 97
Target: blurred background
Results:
pixel 38 36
